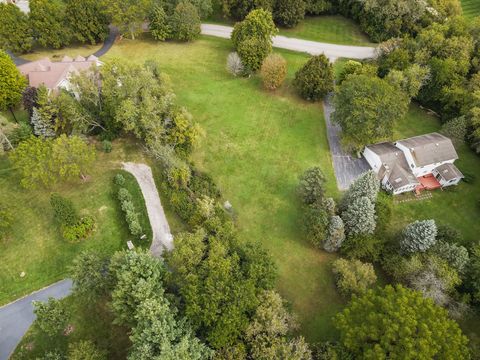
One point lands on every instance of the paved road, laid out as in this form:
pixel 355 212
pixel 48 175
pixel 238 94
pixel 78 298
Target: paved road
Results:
pixel 347 168
pixel 332 51
pixel 162 238
pixel 16 317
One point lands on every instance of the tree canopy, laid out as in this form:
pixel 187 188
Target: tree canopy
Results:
pixel 12 83
pixel 395 322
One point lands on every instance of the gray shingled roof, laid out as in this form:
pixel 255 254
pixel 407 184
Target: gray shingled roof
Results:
pixel 394 165
pixel 449 172
pixel 430 148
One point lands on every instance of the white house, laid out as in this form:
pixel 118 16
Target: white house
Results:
pixel 422 162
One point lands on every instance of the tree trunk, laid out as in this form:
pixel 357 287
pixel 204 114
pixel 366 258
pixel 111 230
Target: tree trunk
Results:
pixel 13 114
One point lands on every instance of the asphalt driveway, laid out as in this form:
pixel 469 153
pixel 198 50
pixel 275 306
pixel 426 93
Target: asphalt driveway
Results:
pixel 16 317
pixel 347 168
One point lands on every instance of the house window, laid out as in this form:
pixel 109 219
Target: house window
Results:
pixel 438 177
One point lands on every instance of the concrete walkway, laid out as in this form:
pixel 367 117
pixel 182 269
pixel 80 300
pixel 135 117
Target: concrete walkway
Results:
pixel 16 317
pixel 347 168
pixel 162 238
pixel 332 51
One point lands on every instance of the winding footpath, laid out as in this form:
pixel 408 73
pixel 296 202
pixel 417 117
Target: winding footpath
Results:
pixel 16 317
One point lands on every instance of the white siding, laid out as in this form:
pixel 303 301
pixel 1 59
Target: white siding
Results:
pixel 372 159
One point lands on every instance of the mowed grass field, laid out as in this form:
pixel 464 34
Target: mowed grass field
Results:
pixel 256 145
pixel 471 8
pixel 334 29
pixel 35 245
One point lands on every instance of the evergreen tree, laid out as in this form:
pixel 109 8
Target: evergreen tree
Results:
pixel 48 21
pixel 42 127
pixel 419 236
pixel 367 185
pixel 87 20
pixel 289 13
pixel 15 32
pixel 159 26
pixel 335 234
pixel 359 217
pixel 185 22
pixel 315 79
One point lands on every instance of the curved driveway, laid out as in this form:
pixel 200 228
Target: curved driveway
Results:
pixel 16 317
pixel 332 51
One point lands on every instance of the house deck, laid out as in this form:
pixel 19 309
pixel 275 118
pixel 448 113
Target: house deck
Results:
pixel 427 182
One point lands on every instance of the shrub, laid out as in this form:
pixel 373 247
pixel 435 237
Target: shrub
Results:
pixel 51 316
pixel 20 133
pixel 203 184
pixel 353 276
pixel 107 146
pixel 419 236
pixel 456 130
pixel 131 215
pixel 318 7
pixel 81 230
pixel 119 180
pixel 350 67
pixel 253 52
pixel 235 65
pixel 383 209
pixel 185 22
pixel 289 13
pixel 273 71
pixel 456 255
pixel 335 234
pixel 182 204
pixel 63 210
pixel 315 222
pixel 85 350
pixel 359 217
pixel 175 170
pixel 158 25
pixel 315 79
pixel 312 185
pixel 330 206
pixel 367 247
pixel 6 220
pixel 449 234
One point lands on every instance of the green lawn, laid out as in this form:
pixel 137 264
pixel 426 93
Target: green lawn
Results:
pixel 333 29
pixel 456 206
pixel 90 322
pixel 35 245
pixel 471 8
pixel 58 54
pixel 256 145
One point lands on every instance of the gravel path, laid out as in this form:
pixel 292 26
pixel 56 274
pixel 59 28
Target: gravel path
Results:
pixel 347 168
pixel 16 317
pixel 332 51
pixel 162 238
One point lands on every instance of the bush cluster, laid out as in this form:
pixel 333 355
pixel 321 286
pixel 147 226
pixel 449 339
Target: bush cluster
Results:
pixel 183 24
pixel 72 227
pixel 131 215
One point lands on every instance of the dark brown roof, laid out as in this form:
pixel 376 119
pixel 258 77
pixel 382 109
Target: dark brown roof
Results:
pixel 449 172
pixel 430 148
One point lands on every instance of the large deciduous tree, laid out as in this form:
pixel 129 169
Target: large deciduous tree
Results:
pixel 87 20
pixel 15 31
pixel 366 107
pixel 45 162
pixel 396 322
pixel 51 316
pixel 12 83
pixel 48 22
pixel 128 15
